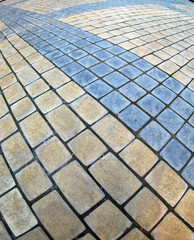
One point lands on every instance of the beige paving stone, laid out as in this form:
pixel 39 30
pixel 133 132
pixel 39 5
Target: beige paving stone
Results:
pixel 3 108
pixel 70 91
pixel 163 55
pixel 127 45
pixel 191 85
pixel 35 234
pixel 7 81
pixel 141 51
pixel 14 92
pixel 172 228
pixel 89 109
pixel 37 87
pixel 153 59
pixel 107 221
pixel 113 133
pixel 27 51
pixel 57 217
pixel 4 70
pixel 23 108
pixel 8 52
pixel 187 54
pixel 137 42
pixel 48 101
pixel 35 57
pixel 16 212
pixel 3 232
pixel 7 126
pixel 139 157
pixel 167 183
pixel 16 57
pixel 115 178
pixel 21 44
pixel 35 135
pixel 78 187
pixel 146 209
pixel 65 122
pixel 56 77
pixel 53 154
pixel 182 78
pixel 170 50
pixel 154 46
pixel 17 67
pixel 43 65
pixel 6 180
pixel 185 208
pixel 33 181
pixel 179 60
pixel 188 71
pixel 87 147
pixel 88 236
pixel 135 234
pixel 168 67
pixel 27 76
pixel 4 45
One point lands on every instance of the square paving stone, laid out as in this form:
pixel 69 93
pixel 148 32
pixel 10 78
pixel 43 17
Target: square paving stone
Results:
pixel 37 87
pixel 88 236
pixel 34 234
pixel 78 187
pixel 4 108
pixel 7 81
pixel 155 135
pixel 58 44
pixel 14 93
pixel 186 136
pixel 104 44
pixel 23 108
pixel 7 126
pixel 72 68
pixel 135 234
pixel 57 217
pixel 146 82
pixel 65 122
pixel 6 180
pixel 107 221
pixel 115 178
pixel 88 61
pixel 134 117
pixel 174 85
pixel 167 183
pixel 113 133
pixel 139 157
pixel 116 62
pixel 142 64
pixel 151 105
pixel 188 95
pixel 33 181
pixel 101 69
pixel 3 233
pixel 182 107
pixel 53 55
pixel 85 77
pixel 157 74
pixel 27 75
pixel 132 91
pixel 69 48
pixel 92 48
pixel 185 208
pixel 176 154
pixel 55 77
pixel 48 101
pixel 170 120
pixel 87 147
pixel 116 50
pixel 81 43
pixel 16 212
pixel 62 61
pixel 188 172
pixel 33 134
pixel 130 71
pixel 129 57
pixel 146 209
pixel 115 102
pixel 164 94
pixel 116 79
pixel 43 65
pixel 77 54
pixel 172 228
pixel 17 67
pixel 89 109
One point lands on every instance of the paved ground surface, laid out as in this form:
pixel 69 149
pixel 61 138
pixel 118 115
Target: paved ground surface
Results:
pixel 96 120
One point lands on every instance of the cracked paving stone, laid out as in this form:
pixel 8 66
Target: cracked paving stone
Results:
pixel 3 233
pixel 135 234
pixel 35 234
pixel 7 126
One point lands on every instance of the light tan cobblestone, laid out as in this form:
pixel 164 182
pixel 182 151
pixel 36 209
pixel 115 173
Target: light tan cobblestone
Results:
pixel 14 93
pixel 37 87
pixel 7 81
pixel 7 126
pixel 27 76
pixel 43 65
pixel 135 234
pixel 35 234
pixel 87 237
pixel 3 108
pixel 3 233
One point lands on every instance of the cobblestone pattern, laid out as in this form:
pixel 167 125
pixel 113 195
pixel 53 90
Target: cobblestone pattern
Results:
pixel 96 135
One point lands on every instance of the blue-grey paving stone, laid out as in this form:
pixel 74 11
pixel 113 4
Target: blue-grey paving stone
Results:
pixel 65 35
pixel 82 43
pixel 46 49
pixel 132 91
pixel 62 61
pixel 164 94
pixel 53 40
pixel 94 39
pixel 174 85
pixel 101 69
pixel 103 55
pixel 182 107
pixel 69 48
pixel 146 82
pixel 92 48
pixel 40 45
pixel 72 68
pixel 142 64
pixel 88 61
pixel 157 74
pixel 115 102
pixel 116 50
pixel 151 105
pixel 116 62
pixel 77 54
pixel 104 44
pixel 186 136
pixel 85 77
pixel 45 35
pixel 175 154
pixel 170 120
pixel 188 95
pixel 134 117
pixel 60 43
pixel 155 135
pixel 129 57
pixel 73 39
pixel 98 89
pixel 191 120
pixel 188 171
pixel 53 55
pixel 116 79
pixel 130 71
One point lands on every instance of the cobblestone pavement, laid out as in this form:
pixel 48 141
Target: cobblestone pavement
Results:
pixel 96 119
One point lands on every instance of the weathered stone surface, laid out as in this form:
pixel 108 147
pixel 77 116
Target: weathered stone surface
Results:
pixel 3 233
pixel 87 237
pixel 3 109
pixel 27 75
pixel 135 234
pixel 37 87
pixel 7 81
pixel 35 234
pixel 14 93
pixel 43 65
pixel 7 126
